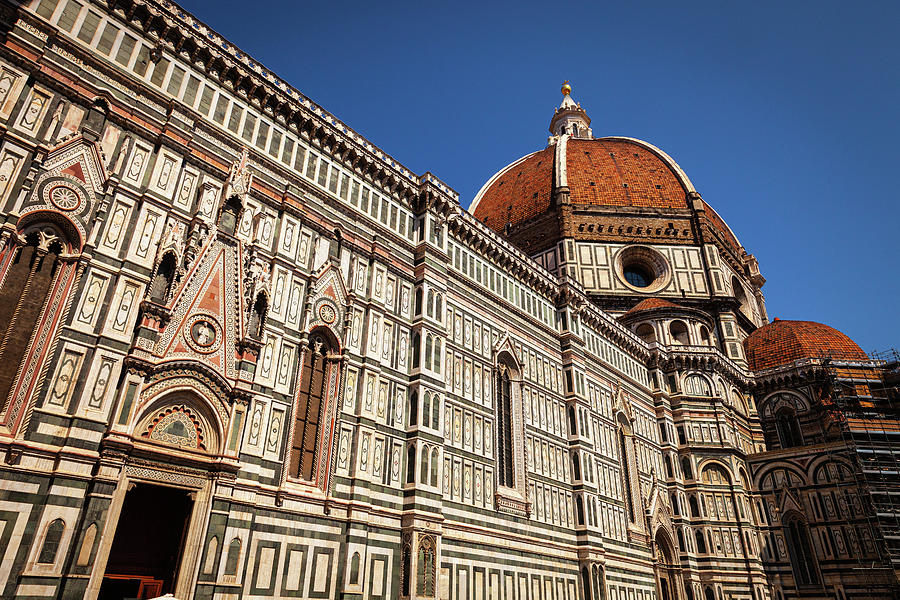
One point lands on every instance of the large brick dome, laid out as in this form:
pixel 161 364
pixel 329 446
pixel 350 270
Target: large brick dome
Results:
pixel 782 342
pixel 618 174
pixel 600 172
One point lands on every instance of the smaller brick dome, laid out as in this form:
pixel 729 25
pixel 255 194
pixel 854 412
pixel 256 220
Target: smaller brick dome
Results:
pixel 649 304
pixel 782 342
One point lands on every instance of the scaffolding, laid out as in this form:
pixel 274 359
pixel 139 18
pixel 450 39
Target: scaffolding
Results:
pixel 862 404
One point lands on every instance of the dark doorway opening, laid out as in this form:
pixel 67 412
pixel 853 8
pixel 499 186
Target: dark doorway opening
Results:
pixel 146 551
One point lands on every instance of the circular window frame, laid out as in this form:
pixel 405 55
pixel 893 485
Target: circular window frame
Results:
pixel 647 259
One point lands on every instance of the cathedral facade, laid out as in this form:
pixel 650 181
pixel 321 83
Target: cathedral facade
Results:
pixel 244 353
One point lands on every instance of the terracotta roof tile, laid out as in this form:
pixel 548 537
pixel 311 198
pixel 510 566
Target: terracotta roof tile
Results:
pixel 782 342
pixel 650 304
pixel 600 172
pixel 620 173
pixel 519 194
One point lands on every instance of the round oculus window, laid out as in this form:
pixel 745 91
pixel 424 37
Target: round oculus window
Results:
pixel 637 275
pixel 642 269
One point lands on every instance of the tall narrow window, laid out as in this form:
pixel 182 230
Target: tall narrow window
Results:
pixel 426 570
pixel 504 428
pixel 435 413
pixel 626 475
pixel 423 464
pixel 22 300
pixel 413 409
pixel 310 401
pixel 405 568
pixel 354 569
pixel 51 542
pixel 803 560
pixel 233 557
pixel 701 542
pixel 426 409
pixel 411 464
pixel 788 429
pixel 429 346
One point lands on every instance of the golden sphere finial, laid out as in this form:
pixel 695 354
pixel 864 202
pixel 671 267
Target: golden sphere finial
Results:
pixel 566 88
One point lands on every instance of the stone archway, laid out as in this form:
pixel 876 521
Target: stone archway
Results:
pixel 668 571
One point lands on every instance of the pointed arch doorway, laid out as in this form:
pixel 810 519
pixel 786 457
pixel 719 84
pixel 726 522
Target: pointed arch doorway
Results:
pixel 668 572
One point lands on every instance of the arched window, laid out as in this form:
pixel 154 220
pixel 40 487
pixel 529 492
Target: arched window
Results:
pixel 708 594
pixel 51 542
pixel 695 508
pixel 686 468
pixel 435 413
pixel 599 583
pixel 354 569
pixel 426 570
pixel 679 332
pixel 579 510
pixel 803 561
pixel 586 583
pixel 418 301
pixel 704 336
pixel 576 467
pixel 680 540
pixel 406 570
pixel 675 504
pixel 423 464
pixel 411 464
pixel 161 284
pixel 697 385
pixel 669 472
pixel 311 399
pixel 439 308
pixel 435 465
pixel 646 333
pixel 573 424
pixel 417 349
pixel 504 427
pixel 413 409
pixel 431 303
pixel 437 355
pixel 626 460
pixel 426 409
pixel 233 557
pixel 788 428
pixel 22 299
pixel 701 541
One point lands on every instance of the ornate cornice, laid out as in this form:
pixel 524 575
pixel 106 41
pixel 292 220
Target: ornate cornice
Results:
pixel 182 34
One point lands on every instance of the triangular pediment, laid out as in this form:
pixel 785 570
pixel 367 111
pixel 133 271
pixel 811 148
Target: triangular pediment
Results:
pixel 67 189
pixel 205 312
pixel 505 345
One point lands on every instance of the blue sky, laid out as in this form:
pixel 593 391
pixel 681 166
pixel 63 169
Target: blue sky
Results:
pixel 784 115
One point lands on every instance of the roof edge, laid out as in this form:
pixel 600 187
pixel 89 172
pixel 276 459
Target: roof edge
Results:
pixel 496 176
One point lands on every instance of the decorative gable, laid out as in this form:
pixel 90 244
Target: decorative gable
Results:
pixel 328 301
pixel 69 188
